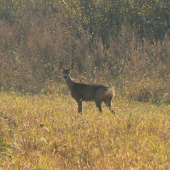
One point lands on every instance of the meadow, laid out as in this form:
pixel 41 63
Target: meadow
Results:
pixel 123 44
pixel 44 131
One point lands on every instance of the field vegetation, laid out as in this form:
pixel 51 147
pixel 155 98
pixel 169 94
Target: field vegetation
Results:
pixel 46 132
pixel 121 43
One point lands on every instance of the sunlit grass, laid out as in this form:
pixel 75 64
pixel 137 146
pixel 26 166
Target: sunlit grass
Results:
pixel 48 133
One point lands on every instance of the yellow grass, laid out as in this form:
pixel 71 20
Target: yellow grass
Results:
pixel 46 132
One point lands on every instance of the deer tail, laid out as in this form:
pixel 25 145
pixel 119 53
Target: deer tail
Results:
pixel 110 93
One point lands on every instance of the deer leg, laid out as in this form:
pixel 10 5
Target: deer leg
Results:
pixel 111 110
pixel 98 105
pixel 80 106
pixel 108 103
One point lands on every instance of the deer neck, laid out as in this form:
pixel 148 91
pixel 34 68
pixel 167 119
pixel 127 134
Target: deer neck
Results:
pixel 69 83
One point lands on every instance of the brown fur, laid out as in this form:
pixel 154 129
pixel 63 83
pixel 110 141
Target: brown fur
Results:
pixel 87 92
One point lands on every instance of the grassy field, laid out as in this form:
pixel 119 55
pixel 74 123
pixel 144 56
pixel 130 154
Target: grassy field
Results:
pixel 124 44
pixel 45 131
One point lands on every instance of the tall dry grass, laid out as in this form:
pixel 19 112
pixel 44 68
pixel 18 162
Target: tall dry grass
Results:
pixel 46 132
pixel 34 49
pixel 39 124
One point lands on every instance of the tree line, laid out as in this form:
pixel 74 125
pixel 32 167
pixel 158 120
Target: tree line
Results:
pixel 100 18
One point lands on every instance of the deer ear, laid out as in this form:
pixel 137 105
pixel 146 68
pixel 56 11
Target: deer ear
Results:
pixel 65 69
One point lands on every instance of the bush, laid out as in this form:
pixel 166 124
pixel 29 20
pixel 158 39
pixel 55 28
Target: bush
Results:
pixel 36 45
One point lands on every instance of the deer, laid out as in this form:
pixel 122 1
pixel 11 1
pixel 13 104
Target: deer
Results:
pixel 89 92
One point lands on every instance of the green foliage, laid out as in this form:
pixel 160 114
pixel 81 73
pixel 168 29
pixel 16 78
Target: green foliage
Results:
pixel 151 18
